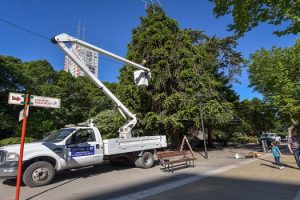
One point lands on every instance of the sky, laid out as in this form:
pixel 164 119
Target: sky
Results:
pixel 108 25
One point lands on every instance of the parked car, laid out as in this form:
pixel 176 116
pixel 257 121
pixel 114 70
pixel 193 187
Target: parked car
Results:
pixel 269 137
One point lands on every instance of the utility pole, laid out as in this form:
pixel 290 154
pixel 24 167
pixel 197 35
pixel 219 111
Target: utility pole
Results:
pixel 202 125
pixel 204 135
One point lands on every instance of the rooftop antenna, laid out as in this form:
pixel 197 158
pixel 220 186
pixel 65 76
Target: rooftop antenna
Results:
pixel 153 9
pixel 145 3
pixel 152 3
pixel 83 31
pixel 78 29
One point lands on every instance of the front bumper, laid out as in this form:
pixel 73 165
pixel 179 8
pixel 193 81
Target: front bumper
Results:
pixel 8 170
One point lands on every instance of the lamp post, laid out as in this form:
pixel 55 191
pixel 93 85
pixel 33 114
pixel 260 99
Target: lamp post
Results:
pixel 264 140
pixel 202 124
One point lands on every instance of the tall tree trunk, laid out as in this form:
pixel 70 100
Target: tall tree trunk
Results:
pixel 209 136
pixel 175 138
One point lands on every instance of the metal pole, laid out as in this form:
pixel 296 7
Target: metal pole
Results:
pixel 204 135
pixel 26 106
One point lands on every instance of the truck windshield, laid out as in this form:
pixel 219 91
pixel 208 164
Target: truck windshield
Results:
pixel 59 135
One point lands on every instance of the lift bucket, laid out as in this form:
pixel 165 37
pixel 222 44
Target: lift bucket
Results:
pixel 141 78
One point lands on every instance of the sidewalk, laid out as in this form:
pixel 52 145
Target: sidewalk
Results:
pixel 257 180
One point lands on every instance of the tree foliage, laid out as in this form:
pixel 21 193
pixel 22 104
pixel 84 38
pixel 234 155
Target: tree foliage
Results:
pixel 184 63
pixel 80 98
pixel 247 14
pixel 188 68
pixel 276 74
pixel 108 122
pixel 258 116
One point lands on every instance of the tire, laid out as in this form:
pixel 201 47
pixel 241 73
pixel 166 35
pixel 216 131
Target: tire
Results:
pixel 38 174
pixel 137 162
pixel 146 160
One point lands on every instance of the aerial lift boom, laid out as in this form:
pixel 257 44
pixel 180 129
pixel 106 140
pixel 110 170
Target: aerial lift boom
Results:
pixel 141 76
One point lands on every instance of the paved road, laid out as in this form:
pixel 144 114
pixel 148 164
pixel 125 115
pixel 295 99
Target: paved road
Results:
pixel 259 180
pixel 220 176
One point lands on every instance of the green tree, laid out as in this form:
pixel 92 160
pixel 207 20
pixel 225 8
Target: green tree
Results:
pixel 275 73
pixel 247 14
pixel 183 63
pixel 259 115
pixel 80 98
pixel 108 123
pixel 10 80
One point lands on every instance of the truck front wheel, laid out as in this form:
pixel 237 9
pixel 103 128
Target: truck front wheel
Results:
pixel 38 174
pixel 146 160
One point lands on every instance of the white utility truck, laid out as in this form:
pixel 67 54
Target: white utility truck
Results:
pixel 81 146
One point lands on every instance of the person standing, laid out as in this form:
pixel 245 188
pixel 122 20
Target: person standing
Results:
pixel 276 153
pixel 294 143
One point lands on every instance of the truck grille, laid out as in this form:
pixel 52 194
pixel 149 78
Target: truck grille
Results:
pixel 2 157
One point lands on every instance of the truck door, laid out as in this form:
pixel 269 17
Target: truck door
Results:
pixel 81 148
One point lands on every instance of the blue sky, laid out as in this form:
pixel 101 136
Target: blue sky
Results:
pixel 108 25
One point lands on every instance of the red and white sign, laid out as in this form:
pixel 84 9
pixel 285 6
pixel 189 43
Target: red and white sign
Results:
pixel 16 98
pixel 39 101
pixel 47 102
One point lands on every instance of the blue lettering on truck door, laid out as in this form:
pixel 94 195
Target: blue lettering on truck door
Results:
pixel 82 151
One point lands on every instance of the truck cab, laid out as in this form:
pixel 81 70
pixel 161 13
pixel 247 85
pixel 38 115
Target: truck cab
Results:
pixel 62 149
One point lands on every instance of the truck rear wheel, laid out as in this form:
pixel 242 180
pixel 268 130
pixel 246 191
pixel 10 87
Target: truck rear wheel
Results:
pixel 146 160
pixel 137 162
pixel 38 174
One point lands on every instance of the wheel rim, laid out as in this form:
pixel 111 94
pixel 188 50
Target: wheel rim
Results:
pixel 147 160
pixel 40 174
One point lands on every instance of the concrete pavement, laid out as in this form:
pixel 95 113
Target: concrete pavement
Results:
pixel 220 177
pixel 250 179
pixel 258 180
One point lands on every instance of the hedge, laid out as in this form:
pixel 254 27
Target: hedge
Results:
pixel 15 140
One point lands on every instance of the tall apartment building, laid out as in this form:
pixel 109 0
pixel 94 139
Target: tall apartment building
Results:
pixel 89 57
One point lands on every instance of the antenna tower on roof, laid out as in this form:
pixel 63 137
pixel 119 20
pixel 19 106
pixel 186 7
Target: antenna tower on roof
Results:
pixel 81 30
pixel 78 34
pixel 152 3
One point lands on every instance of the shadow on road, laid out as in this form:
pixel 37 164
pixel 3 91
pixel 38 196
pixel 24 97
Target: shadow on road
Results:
pixel 210 188
pixel 274 166
pixel 69 176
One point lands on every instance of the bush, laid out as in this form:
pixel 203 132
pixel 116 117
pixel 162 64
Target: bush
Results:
pixel 282 134
pixel 15 140
pixel 108 122
pixel 243 140
pixel 252 140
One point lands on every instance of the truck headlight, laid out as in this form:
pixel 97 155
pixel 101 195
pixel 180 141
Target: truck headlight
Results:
pixel 10 156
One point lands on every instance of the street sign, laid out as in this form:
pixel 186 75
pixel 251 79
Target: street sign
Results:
pixel 28 100
pixel 46 102
pixel 39 101
pixel 21 115
pixel 16 98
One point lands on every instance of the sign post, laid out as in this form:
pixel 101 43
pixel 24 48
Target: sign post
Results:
pixel 26 106
pixel 26 100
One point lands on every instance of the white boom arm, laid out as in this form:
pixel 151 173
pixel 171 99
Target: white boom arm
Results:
pixel 62 39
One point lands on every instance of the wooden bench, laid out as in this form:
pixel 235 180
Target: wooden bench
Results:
pixel 171 159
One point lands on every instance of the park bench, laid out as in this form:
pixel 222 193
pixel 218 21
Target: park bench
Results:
pixel 171 159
